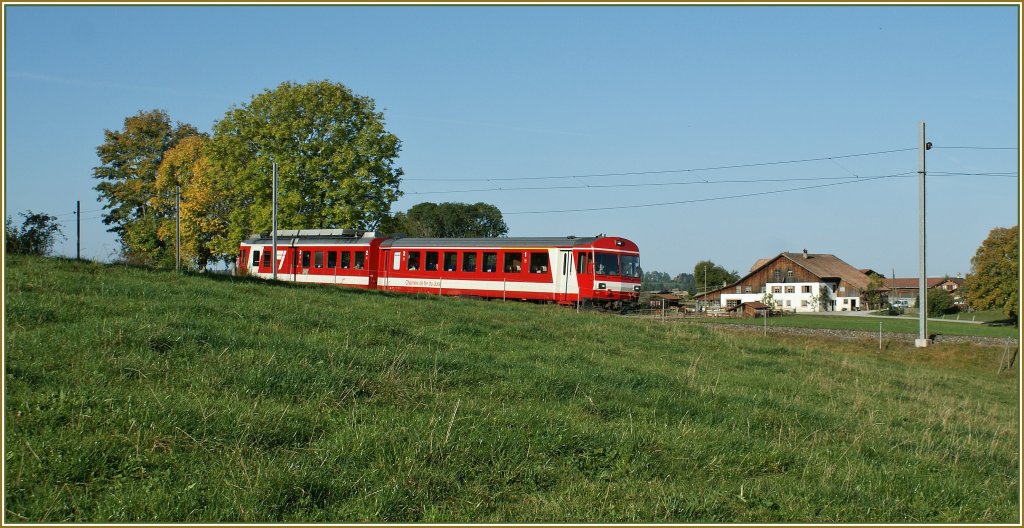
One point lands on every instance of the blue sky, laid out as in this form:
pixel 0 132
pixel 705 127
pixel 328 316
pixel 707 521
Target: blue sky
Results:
pixel 488 96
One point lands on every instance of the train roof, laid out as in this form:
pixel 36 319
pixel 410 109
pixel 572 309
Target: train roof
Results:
pixel 314 236
pixel 488 242
pixel 287 237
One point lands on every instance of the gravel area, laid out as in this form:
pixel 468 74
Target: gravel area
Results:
pixel 856 335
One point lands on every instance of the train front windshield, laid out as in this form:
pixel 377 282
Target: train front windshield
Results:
pixel 616 264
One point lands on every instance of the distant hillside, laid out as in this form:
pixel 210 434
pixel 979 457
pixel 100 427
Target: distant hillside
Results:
pixel 143 396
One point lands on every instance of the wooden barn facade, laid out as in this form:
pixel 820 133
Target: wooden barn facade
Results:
pixel 798 282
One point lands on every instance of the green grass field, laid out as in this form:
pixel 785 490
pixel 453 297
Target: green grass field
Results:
pixel 141 396
pixel 901 325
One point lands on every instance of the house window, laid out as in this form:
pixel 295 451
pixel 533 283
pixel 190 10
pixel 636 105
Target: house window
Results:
pixel 789 275
pixel 803 304
pixel 748 289
pixel 763 289
pixel 739 289
pixel 777 275
pixel 846 301
pixel 789 303
pixel 790 289
pixel 776 289
pixel 805 289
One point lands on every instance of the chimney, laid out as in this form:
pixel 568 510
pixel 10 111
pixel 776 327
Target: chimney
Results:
pixel 805 254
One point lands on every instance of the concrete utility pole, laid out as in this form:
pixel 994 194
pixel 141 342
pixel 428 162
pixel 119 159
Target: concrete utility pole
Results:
pixel 274 228
pixel 922 299
pixel 177 228
pixel 78 230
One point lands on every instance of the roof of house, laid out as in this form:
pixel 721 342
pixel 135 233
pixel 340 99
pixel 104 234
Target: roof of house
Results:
pixel 757 305
pixel 825 265
pixel 913 282
pixel 759 263
pixel 822 265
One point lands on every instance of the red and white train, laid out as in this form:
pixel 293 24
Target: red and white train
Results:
pixel 601 270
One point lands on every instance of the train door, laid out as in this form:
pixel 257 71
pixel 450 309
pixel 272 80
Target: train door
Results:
pixel 566 288
pixel 385 263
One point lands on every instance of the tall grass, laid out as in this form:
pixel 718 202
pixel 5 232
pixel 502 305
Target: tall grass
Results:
pixel 136 396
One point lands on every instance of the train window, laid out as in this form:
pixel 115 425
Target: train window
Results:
pixel 414 261
pixel 513 262
pixel 332 259
pixel 305 259
pixel 346 259
pixel 255 258
pixel 631 266
pixel 583 263
pixel 606 263
pixel 360 256
pixel 469 262
pixel 538 262
pixel 451 260
pixel 397 261
pixel 266 258
pixel 431 261
pixel 318 259
pixel 490 262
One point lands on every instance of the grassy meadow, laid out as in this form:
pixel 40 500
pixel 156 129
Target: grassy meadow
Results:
pixel 143 396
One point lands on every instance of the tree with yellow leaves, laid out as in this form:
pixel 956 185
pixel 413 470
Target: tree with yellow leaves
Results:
pixel 186 169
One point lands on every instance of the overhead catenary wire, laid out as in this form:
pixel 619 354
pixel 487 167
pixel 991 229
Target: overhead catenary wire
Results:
pixel 718 198
pixel 702 182
pixel 672 171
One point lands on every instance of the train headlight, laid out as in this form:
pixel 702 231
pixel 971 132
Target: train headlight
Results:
pixel 601 285
pixel 636 288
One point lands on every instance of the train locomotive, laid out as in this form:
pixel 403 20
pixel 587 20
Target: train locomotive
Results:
pixel 601 270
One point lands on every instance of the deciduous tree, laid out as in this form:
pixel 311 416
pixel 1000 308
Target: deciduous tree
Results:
pixel 129 160
pixel 872 294
pixel 449 220
pixel 716 277
pixel 336 160
pixel 993 282
pixel 36 236
pixel 204 212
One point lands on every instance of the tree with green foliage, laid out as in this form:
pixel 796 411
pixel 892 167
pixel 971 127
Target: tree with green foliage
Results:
pixel 872 294
pixel 36 236
pixel 448 220
pixel 336 161
pixel 939 302
pixel 716 277
pixel 993 282
pixel 129 160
